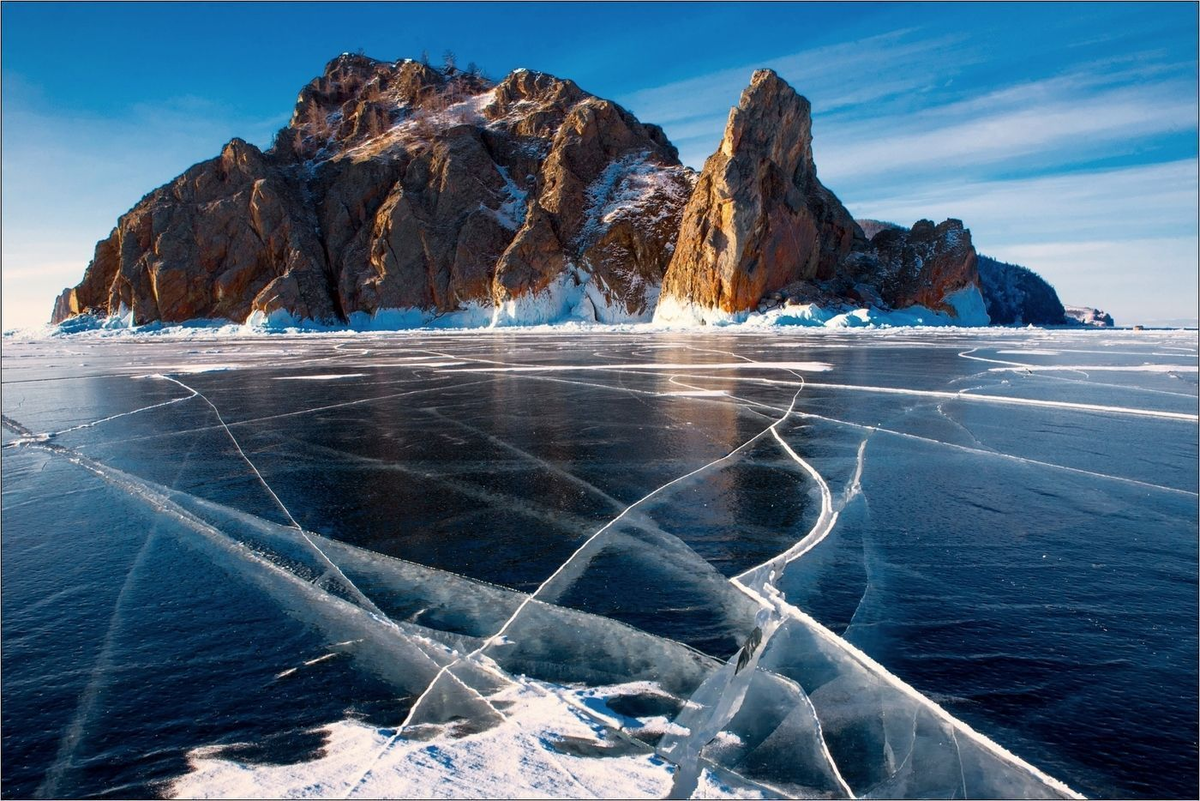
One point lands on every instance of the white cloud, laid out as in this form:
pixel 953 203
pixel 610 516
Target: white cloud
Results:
pixel 1122 239
pixel 835 76
pixel 1051 117
pixel 1133 202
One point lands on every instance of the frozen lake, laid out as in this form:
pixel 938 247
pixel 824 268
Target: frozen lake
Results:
pixel 906 562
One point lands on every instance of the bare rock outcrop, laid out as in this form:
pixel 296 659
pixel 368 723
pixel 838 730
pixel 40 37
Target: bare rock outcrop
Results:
pixel 758 219
pixel 760 225
pixel 401 186
pixel 229 236
pixel 1086 315
pixel 919 266
pixel 401 193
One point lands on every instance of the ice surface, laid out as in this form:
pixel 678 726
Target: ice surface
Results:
pixel 573 560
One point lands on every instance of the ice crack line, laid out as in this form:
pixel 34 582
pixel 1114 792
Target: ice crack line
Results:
pixel 122 414
pixel 956 725
pixel 358 595
pixel 64 761
pixel 722 695
pixel 495 638
pixel 1000 455
pixel 964 396
pixel 160 500
pixel 966 354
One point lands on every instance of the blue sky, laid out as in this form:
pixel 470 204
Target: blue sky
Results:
pixel 1064 135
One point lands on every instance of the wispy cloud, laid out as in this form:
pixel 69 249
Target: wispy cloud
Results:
pixel 837 76
pixel 681 99
pixel 1144 201
pixel 1062 117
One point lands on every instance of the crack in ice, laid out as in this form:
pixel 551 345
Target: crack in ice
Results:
pixel 364 600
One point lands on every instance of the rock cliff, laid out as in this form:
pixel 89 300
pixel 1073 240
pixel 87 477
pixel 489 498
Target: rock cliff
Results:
pixel 926 265
pixel 397 187
pixel 760 224
pixel 1086 315
pixel 758 219
pixel 400 195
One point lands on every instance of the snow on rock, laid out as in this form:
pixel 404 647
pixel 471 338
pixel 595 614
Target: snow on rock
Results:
pixel 966 303
pixel 635 187
pixel 969 308
pixel 1085 315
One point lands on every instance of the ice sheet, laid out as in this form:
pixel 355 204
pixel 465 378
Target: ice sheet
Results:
pixel 593 598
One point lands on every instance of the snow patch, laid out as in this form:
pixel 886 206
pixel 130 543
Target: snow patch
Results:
pixel 511 213
pixel 516 759
pixel 632 187
pixel 966 302
pixel 322 377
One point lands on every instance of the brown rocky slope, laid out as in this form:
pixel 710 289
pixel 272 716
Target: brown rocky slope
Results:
pixel 397 186
pixel 401 195
pixel 761 224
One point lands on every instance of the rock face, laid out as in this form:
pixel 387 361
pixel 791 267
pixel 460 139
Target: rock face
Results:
pixel 758 219
pixel 227 236
pixel 400 194
pixel 761 224
pixel 921 266
pixel 396 186
pixel 1086 315
pixel 1017 295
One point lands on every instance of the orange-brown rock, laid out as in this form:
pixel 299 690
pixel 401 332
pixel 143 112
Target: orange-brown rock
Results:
pixel 759 219
pixel 401 186
pixel 213 243
pixel 922 265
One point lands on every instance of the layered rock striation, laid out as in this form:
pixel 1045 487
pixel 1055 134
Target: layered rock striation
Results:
pixel 397 187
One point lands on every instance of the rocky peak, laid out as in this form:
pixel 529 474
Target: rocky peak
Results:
pixel 772 122
pixel 397 186
pixel 241 157
pixel 759 219
pixel 529 86
pixel 358 98
pixel 401 192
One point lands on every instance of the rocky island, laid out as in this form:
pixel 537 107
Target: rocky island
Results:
pixel 400 195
